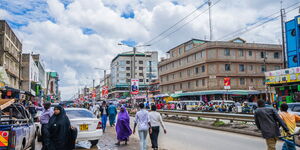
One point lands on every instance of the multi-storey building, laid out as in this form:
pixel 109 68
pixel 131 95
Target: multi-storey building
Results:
pixel 10 54
pixel 52 91
pixel 30 74
pixel 123 70
pixel 198 65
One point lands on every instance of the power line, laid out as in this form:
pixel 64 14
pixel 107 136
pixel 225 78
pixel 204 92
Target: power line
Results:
pixel 185 24
pixel 257 23
pixel 184 18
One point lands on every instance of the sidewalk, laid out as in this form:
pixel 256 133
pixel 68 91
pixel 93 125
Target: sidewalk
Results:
pixel 109 138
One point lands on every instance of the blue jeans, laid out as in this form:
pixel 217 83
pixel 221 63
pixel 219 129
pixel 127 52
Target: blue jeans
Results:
pixel 104 121
pixel 288 145
pixel 143 139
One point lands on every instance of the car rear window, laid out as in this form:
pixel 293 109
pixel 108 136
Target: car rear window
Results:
pixel 72 114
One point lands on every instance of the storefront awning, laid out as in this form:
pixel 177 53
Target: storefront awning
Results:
pixel 219 92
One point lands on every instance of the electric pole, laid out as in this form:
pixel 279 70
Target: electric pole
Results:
pixel 210 23
pixel 282 13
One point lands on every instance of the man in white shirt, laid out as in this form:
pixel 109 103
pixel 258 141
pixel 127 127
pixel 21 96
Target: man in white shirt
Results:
pixel 156 121
pixel 143 121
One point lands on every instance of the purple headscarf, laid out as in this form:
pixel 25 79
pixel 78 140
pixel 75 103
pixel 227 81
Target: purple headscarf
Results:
pixel 123 126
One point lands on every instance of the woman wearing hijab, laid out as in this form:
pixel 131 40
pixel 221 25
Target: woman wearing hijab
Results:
pixel 123 126
pixel 60 130
pixel 112 112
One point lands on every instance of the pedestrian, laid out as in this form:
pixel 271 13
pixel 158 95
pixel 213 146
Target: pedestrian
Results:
pixel 268 121
pixel 123 126
pixel 32 109
pixel 44 119
pixel 59 128
pixel 156 121
pixel 112 112
pixel 104 114
pixel 290 120
pixel 143 121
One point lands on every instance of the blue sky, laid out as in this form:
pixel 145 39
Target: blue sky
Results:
pixel 76 36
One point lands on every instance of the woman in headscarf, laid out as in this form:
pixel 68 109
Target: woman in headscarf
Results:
pixel 123 126
pixel 60 130
pixel 112 112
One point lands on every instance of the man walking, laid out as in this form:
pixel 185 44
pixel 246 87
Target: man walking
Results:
pixel 104 114
pixel 143 121
pixel 290 120
pixel 112 112
pixel 44 119
pixel 267 120
pixel 156 121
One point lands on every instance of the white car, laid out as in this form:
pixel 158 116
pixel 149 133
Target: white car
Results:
pixel 88 125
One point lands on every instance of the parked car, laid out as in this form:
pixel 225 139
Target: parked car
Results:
pixel 294 108
pixel 88 125
pixel 17 129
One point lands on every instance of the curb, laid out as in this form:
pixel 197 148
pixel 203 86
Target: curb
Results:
pixel 215 128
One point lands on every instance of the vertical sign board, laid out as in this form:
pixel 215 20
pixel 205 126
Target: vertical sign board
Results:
pixel 104 91
pixel 292 33
pixel 227 83
pixel 134 86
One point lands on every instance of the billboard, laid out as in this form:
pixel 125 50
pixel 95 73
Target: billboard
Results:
pixel 283 76
pixel 134 86
pixel 227 83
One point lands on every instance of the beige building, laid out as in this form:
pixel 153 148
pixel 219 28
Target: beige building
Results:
pixel 198 65
pixel 10 54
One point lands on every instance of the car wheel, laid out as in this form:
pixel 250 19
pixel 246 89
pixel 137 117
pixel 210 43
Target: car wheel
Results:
pixel 94 142
pixel 32 146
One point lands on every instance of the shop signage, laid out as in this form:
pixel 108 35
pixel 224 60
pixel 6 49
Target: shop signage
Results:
pixel 283 76
pixel 134 86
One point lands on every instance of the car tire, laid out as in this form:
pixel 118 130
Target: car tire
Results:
pixel 94 142
pixel 32 146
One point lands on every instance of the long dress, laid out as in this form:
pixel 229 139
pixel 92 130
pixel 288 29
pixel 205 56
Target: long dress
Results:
pixel 123 126
pixel 112 112
pixel 60 131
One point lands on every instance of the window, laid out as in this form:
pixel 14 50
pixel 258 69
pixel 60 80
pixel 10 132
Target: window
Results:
pixel 251 67
pixel 127 62
pixel 174 76
pixel 277 67
pixel 173 87
pixel 242 67
pixel 227 52
pixel 140 68
pixel 227 67
pixel 141 80
pixel 140 74
pixel 180 50
pixel 203 82
pixel 127 74
pixel 241 53
pixel 188 72
pixel 242 81
pixel 179 62
pixel 262 54
pixel 251 80
pixel 189 84
pixel 197 83
pixel 141 62
pixel 196 70
pixel 127 68
pixel 180 74
pixel 263 68
pixel 172 64
pixel 188 47
pixel 167 77
pixel 276 55
pixel 180 85
pixel 203 68
pixel 250 53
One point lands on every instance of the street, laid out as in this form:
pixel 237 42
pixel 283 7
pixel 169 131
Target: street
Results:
pixel 181 137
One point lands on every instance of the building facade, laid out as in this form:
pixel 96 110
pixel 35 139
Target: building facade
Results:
pixel 123 70
pixel 30 74
pixel 52 91
pixel 198 65
pixel 10 54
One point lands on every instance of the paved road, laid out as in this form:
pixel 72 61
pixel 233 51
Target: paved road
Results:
pixel 193 138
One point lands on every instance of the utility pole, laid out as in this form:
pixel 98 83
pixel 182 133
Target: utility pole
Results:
pixel 210 23
pixel 282 14
pixel 134 52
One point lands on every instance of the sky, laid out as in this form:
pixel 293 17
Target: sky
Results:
pixel 76 36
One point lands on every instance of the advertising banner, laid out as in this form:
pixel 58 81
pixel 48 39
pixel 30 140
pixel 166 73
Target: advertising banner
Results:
pixel 227 83
pixel 104 91
pixel 289 75
pixel 134 86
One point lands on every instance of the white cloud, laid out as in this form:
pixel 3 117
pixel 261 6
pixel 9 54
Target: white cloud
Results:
pixel 56 31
